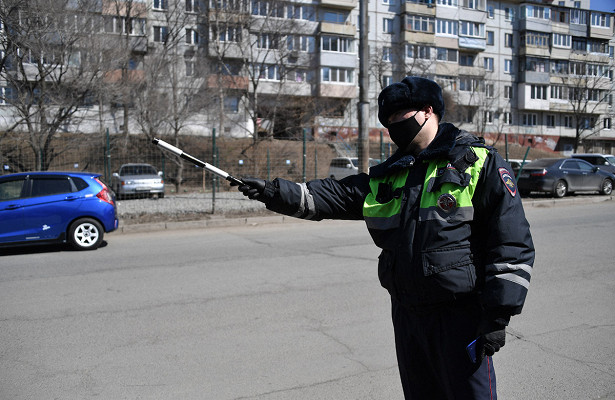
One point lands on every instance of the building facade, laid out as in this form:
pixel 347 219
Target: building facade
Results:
pixel 539 73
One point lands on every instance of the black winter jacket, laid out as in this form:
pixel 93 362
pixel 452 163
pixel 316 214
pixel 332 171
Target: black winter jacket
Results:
pixel 434 253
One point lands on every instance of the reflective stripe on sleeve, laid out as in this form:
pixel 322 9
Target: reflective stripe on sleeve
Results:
pixel 307 209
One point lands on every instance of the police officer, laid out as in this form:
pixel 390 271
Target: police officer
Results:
pixel 457 253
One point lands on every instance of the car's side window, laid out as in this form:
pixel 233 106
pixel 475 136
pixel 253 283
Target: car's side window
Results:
pixel 586 167
pixel 50 185
pixel 11 190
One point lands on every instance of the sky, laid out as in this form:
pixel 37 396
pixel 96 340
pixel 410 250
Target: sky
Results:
pixel 603 5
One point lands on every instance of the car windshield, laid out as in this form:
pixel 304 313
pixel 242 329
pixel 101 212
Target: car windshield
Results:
pixel 138 170
pixel 610 159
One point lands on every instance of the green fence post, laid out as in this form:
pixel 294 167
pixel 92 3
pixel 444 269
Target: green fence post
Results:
pixel 214 161
pixel 304 155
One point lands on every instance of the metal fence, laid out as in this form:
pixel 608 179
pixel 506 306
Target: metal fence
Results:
pixel 296 160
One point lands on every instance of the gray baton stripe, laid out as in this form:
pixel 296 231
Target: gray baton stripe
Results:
pixel 501 267
pixel 515 279
pixel 307 203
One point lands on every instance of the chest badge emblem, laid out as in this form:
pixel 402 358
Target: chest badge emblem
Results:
pixel 447 202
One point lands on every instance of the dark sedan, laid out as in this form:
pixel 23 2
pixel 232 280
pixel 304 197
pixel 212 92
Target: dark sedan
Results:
pixel 560 176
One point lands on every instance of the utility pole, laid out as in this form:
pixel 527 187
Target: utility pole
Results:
pixel 363 106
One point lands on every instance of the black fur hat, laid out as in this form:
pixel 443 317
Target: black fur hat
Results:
pixel 412 92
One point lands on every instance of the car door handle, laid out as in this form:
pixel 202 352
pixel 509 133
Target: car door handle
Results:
pixel 12 207
pixel 71 198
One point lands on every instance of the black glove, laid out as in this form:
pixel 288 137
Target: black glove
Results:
pixel 492 338
pixel 253 188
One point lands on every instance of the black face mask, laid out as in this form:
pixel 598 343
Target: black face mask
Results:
pixel 402 133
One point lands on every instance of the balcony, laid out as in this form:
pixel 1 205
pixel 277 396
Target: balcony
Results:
pixel 337 91
pixel 227 82
pixel 338 29
pixel 534 51
pixel 419 37
pixel 472 43
pixel 341 4
pixel 422 9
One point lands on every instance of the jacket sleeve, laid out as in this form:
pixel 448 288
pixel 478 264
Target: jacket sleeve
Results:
pixel 503 247
pixel 320 198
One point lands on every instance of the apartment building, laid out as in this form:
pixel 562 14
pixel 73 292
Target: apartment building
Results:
pixel 539 73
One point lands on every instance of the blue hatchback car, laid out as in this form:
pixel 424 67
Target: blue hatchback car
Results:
pixel 72 207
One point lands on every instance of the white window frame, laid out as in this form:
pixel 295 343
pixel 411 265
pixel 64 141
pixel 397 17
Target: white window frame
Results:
pixel 447 27
pixel 471 29
pixel 337 44
pixel 600 20
pixel 387 25
pixel 336 75
pixel 508 66
pixel 387 54
pixel 488 63
pixel 529 119
pixel 160 33
pixel 160 5
pixel 192 36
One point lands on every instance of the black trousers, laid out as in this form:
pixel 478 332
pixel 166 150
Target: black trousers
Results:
pixel 431 353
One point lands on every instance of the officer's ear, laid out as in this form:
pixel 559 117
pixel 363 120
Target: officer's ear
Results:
pixel 429 113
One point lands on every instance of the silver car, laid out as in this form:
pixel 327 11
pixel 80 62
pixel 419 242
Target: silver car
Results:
pixel 137 180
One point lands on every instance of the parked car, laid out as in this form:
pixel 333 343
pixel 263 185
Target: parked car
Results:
pixel 73 207
pixel 137 180
pixel 342 167
pixel 605 162
pixel 516 165
pixel 560 176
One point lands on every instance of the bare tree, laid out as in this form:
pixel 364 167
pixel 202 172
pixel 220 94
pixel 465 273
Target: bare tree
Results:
pixel 172 91
pixel 49 68
pixel 587 90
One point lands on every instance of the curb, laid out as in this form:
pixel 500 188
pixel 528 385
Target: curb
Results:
pixel 280 219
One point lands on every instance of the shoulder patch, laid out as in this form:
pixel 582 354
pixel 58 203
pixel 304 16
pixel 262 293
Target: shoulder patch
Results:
pixel 508 180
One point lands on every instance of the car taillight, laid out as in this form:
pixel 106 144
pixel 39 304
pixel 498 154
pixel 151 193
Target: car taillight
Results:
pixel 542 172
pixel 105 194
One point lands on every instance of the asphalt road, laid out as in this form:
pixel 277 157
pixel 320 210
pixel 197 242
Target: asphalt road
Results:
pixel 282 311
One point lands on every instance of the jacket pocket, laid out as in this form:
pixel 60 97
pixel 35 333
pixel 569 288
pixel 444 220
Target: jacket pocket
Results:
pixel 386 266
pixel 449 270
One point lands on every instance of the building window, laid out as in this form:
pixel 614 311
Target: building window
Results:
pixel 488 117
pixel 508 66
pixel 538 92
pixel 449 55
pixel 417 51
pixel 508 14
pixel 488 63
pixel 561 40
pixel 160 4
pixel 507 118
pixel 388 2
pixel 447 27
pixel 490 38
pixel 466 60
pixel 490 11
pixel 304 12
pixel 386 54
pixel 192 5
pixel 568 121
pixel 300 75
pixel 335 17
pixel 229 34
pixel 537 12
pixel 472 29
pixel 508 40
pixel 550 121
pixel 473 4
pixel 267 72
pixel 489 90
pixel 535 39
pixel 267 41
pixel 387 80
pixel 419 23
pixel 601 20
pixel 606 123
pixel 338 44
pixel 468 84
pixel 387 25
pixel 5 95
pixel 231 104
pixel 529 119
pixel 160 33
pixel 449 3
pixel 559 92
pixel 508 92
pixel 332 74
pixel 301 43
pixel 559 66
pixel 192 36
pixel 447 82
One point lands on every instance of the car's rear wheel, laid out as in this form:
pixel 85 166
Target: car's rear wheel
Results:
pixel 560 189
pixel 85 234
pixel 607 187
